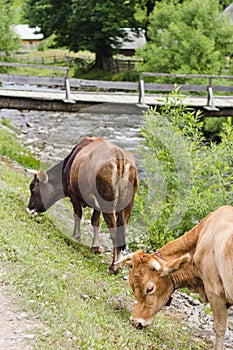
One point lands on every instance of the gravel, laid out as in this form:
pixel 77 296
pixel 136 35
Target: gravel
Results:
pixel 194 315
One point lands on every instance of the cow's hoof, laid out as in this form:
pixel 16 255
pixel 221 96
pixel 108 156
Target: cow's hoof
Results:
pixel 97 250
pixel 112 270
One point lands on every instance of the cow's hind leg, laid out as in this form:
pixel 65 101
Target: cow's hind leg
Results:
pixel 117 240
pixel 95 221
pixel 77 219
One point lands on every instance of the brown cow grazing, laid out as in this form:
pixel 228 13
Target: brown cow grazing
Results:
pixel 96 174
pixel 201 259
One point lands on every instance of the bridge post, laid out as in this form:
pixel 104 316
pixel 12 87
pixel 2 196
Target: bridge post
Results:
pixel 210 98
pixel 68 99
pixel 141 91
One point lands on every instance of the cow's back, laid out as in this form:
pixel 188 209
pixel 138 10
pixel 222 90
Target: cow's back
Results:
pixel 96 170
pixel 214 252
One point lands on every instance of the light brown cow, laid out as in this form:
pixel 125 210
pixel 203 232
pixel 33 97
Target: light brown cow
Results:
pixel 97 174
pixel 201 259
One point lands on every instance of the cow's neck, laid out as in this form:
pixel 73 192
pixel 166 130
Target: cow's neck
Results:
pixel 188 277
pixel 184 244
pixel 55 178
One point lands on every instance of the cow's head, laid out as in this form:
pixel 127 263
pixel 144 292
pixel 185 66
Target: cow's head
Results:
pixel 40 192
pixel 152 283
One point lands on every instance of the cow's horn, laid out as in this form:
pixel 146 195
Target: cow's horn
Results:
pixel 31 171
pixel 124 258
pixel 156 265
pixel 42 176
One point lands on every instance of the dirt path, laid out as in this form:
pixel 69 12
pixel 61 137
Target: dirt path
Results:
pixel 16 329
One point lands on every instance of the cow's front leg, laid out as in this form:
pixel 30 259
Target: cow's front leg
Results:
pixel 95 221
pixel 114 268
pixel 77 220
pixel 218 306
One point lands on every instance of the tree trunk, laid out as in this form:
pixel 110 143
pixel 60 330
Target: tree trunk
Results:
pixel 149 8
pixel 103 62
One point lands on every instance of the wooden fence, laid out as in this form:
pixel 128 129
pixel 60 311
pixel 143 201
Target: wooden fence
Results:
pixel 117 63
pixel 209 87
pixel 37 80
pixel 32 59
pixel 140 87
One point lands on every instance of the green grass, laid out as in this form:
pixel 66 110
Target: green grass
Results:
pixel 11 148
pixel 65 286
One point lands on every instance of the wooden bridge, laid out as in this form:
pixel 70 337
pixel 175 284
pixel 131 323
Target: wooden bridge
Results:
pixel 71 95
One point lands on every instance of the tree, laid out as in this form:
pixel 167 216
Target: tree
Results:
pixel 148 6
pixel 98 26
pixel 9 42
pixel 188 37
pixel 224 3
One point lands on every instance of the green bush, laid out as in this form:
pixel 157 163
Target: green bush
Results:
pixel 185 176
pixel 212 127
pixel 126 75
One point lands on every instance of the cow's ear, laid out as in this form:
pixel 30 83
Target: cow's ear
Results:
pixel 175 265
pixel 42 176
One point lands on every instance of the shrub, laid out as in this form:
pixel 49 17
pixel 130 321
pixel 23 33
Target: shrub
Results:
pixel 185 177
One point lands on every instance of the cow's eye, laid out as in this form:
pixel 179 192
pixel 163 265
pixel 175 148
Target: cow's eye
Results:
pixel 150 289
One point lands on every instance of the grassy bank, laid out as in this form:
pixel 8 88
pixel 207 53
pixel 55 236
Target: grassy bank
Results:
pixel 64 285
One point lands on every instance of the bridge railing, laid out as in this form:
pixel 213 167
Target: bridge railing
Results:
pixel 140 88
pixel 29 79
pixel 209 87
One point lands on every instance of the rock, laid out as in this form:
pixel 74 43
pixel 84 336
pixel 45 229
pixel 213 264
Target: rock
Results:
pixel 29 336
pixel 230 323
pixel 84 296
pixel 42 131
pixel 30 125
pixel 21 316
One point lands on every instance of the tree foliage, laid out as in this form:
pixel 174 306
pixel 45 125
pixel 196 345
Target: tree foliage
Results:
pixel 186 177
pixel 9 42
pixel 188 37
pixel 98 26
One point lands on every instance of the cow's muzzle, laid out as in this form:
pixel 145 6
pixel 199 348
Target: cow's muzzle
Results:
pixel 32 211
pixel 140 323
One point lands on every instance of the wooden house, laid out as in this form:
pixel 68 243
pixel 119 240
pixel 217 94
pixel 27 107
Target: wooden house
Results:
pixel 30 37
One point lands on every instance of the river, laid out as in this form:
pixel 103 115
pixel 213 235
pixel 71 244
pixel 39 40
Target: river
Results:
pixel 51 135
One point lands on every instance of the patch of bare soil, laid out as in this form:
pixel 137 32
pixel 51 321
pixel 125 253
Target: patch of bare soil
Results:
pixel 16 328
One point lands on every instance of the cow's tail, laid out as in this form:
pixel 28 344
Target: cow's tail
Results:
pixel 120 236
pixel 122 183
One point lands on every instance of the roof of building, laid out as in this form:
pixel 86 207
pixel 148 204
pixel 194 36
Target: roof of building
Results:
pixel 27 33
pixel 135 41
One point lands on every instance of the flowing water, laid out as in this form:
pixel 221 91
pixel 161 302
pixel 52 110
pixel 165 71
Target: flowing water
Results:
pixel 51 135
